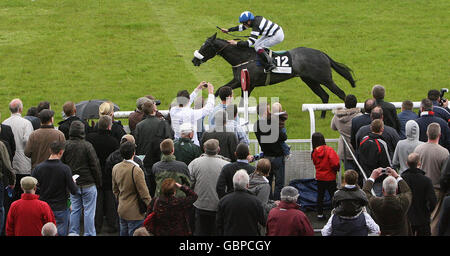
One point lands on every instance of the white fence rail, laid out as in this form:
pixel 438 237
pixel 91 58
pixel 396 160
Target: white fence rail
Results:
pixel 330 106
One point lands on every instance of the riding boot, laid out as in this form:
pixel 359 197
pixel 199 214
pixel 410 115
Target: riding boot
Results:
pixel 267 60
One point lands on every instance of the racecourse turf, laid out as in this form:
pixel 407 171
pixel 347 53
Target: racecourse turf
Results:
pixel 60 50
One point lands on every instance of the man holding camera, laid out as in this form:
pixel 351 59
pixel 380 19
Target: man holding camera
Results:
pixel 440 104
pixel 390 210
pixel 182 112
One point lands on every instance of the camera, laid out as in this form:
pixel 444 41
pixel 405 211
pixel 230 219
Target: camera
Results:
pixel 384 171
pixel 258 156
pixel 442 99
pixel 157 102
pixel 205 84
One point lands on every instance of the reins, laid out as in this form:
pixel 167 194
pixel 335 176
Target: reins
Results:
pixel 228 33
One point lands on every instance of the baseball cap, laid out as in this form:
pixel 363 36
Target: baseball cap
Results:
pixel 211 146
pixel 46 115
pixel 186 128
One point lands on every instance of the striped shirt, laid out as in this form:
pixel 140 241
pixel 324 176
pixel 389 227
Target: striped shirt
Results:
pixel 260 27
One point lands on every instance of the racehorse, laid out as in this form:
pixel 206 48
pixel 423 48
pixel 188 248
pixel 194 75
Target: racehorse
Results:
pixel 311 65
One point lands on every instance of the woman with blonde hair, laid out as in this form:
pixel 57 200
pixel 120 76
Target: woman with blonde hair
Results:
pixel 107 109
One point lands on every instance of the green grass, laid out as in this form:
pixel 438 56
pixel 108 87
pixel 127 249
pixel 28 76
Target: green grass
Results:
pixel 123 49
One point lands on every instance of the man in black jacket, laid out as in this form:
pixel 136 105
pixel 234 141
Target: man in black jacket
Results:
pixel 390 112
pixel 239 213
pixel 423 199
pixel 227 139
pixel 225 180
pixel 361 120
pixel 55 183
pixel 81 157
pixel 270 138
pixel 373 153
pixel 104 144
pixel 389 135
pixel 349 200
pixel 70 110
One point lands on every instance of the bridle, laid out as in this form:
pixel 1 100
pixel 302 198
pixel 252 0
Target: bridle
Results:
pixel 200 56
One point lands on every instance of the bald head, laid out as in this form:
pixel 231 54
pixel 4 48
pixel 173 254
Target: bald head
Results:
pixel 376 113
pixel 413 160
pixel 369 104
pixel 16 106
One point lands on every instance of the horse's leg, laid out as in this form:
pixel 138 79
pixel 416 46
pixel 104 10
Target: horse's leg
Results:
pixel 335 89
pixel 318 90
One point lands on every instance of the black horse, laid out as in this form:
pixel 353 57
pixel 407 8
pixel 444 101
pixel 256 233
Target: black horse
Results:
pixel 311 65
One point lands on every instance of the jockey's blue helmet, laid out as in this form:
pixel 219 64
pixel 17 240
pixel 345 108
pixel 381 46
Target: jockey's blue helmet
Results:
pixel 246 16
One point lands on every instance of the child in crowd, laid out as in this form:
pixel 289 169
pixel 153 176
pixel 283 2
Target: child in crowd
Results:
pixel 349 216
pixel 326 162
pixel 349 200
pixel 277 110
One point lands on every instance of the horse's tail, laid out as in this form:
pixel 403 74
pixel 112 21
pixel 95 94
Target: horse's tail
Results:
pixel 342 70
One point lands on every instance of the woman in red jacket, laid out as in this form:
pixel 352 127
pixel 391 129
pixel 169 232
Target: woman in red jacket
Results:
pixel 327 165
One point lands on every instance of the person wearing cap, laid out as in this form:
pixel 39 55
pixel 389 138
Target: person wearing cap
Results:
pixel 185 149
pixel 182 111
pixel 204 172
pixel 28 215
pixel 137 116
pixel 287 219
pixel 107 109
pixel 38 144
pixel 49 229
pixel 240 212
pixel 80 156
pixel 104 144
pixel 150 132
pixel 168 167
pixel 113 159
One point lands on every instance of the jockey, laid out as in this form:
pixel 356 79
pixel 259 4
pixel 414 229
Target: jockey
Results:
pixel 271 34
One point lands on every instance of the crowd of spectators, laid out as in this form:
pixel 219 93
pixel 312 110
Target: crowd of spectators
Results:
pixel 169 176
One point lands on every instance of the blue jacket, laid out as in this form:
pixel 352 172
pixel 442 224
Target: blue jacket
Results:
pixel 424 120
pixel 404 117
pixel 440 111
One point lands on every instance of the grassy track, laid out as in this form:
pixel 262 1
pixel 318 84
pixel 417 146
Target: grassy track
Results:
pixel 123 49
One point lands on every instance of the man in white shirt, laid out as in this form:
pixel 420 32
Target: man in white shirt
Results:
pixel 21 128
pixel 182 112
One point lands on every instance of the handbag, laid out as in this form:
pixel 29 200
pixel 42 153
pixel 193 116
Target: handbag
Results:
pixel 149 222
pixel 142 205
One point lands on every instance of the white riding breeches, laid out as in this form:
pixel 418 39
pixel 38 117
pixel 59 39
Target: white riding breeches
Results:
pixel 267 42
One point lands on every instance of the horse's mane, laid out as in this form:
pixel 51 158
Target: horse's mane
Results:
pixel 243 50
